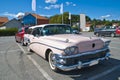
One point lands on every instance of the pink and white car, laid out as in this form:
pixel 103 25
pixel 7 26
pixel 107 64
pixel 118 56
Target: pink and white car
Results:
pixel 65 50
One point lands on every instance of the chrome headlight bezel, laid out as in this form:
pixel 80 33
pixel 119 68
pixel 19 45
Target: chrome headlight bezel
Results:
pixel 106 43
pixel 71 50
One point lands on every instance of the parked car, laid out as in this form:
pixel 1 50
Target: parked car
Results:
pixel 96 30
pixel 118 31
pixel 19 36
pixel 64 50
pixel 107 31
pixel 76 32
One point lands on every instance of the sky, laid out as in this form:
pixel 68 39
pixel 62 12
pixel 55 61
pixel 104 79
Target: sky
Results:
pixel 98 9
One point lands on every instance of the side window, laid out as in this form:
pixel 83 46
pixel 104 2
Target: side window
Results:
pixel 40 31
pixel 36 32
pixel 29 31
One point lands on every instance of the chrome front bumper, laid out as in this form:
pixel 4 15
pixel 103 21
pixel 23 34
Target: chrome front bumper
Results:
pixel 79 65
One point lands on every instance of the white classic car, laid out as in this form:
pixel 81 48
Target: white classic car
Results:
pixel 65 50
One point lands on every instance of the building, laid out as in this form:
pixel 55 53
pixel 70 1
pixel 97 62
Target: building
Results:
pixel 83 22
pixel 41 19
pixel 3 20
pixel 30 19
pixel 13 23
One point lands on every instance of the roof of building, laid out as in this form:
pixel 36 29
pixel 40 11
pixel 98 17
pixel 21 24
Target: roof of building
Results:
pixel 38 16
pixel 43 25
pixel 3 19
pixel 9 21
pixel 34 15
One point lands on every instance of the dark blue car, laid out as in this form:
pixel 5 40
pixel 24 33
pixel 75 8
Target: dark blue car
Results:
pixel 105 31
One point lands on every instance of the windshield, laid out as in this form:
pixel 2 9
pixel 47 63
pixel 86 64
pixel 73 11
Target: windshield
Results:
pixel 57 29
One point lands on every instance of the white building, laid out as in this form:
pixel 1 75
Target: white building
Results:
pixel 83 23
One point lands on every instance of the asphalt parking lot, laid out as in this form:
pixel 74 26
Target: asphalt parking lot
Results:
pixel 16 63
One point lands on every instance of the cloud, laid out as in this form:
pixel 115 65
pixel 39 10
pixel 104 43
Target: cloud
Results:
pixel 106 16
pixel 50 1
pixel 56 6
pixel 70 3
pixel 20 14
pixel 48 8
pixel 9 14
pixel 74 4
pixel 12 15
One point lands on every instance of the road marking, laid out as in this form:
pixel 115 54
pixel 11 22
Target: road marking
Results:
pixel 115 42
pixel 10 51
pixel 115 48
pixel 36 64
pixel 104 73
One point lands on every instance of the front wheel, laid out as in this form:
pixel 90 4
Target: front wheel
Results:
pixel 16 39
pixel 52 62
pixel 29 49
pixel 97 34
pixel 22 43
pixel 112 35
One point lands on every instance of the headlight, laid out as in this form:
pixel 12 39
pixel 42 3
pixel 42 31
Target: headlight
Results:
pixel 59 59
pixel 71 50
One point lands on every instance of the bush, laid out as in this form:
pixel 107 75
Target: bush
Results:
pixel 8 32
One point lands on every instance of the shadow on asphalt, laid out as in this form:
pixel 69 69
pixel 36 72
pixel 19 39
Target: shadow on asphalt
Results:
pixel 86 73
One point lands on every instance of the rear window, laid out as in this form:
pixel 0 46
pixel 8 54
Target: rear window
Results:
pixel 110 27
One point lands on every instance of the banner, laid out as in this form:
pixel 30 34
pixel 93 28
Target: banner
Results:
pixel 61 8
pixel 34 5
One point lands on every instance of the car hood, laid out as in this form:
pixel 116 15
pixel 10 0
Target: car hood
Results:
pixel 66 40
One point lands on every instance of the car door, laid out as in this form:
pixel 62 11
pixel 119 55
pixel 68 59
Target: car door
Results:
pixel 102 32
pixel 106 31
pixel 112 30
pixel 35 39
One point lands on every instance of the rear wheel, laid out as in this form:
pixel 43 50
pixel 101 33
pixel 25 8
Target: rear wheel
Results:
pixel 16 39
pixel 52 61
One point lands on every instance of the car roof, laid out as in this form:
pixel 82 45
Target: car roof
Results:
pixel 43 25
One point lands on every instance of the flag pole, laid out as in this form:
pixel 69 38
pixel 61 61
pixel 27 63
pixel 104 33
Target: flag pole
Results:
pixel 34 9
pixel 70 18
pixel 62 18
pixel 36 17
pixel 61 11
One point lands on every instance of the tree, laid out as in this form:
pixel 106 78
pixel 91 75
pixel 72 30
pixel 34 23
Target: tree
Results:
pixel 88 19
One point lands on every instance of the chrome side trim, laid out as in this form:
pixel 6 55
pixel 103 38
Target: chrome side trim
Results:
pixel 45 45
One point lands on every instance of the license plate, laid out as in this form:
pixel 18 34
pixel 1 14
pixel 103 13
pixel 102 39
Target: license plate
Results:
pixel 93 62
